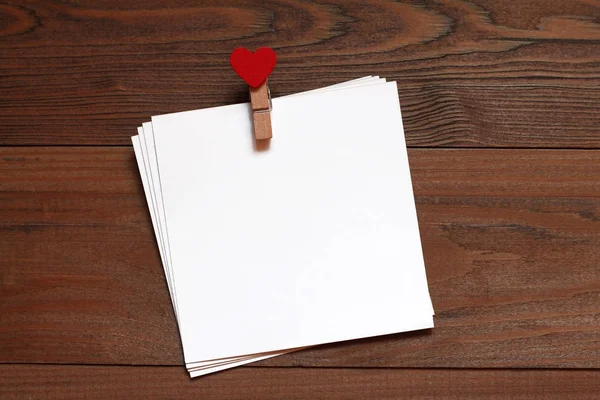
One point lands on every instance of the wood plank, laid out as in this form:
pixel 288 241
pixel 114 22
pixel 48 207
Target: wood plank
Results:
pixel 475 73
pixel 102 382
pixel 511 242
pixel 80 273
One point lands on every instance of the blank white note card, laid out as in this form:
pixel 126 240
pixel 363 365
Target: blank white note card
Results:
pixel 313 240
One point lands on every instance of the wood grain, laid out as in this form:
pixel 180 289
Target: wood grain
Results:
pixel 511 241
pixel 471 73
pixel 101 382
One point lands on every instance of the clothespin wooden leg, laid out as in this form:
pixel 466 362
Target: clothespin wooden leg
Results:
pixel 260 99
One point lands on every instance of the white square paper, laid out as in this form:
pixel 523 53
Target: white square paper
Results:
pixel 314 240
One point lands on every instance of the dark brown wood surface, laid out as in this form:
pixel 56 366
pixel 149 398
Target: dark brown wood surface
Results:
pixel 471 73
pixel 511 241
pixel 79 382
pixel 501 108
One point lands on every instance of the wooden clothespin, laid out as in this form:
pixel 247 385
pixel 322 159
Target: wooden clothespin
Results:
pixel 255 68
pixel 260 99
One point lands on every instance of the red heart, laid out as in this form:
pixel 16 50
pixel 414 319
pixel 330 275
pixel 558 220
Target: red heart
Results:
pixel 255 67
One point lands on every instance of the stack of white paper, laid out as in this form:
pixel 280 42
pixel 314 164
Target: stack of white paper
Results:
pixel 312 240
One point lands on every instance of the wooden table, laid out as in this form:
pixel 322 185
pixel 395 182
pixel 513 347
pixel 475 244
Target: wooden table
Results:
pixel 501 106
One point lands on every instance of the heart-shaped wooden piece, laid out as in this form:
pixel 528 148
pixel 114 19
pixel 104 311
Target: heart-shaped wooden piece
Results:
pixel 254 68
